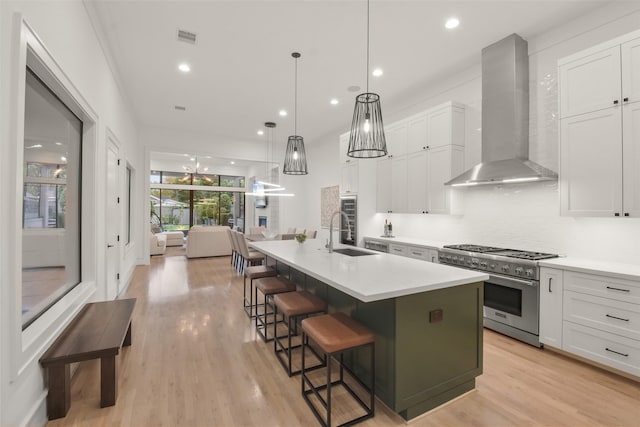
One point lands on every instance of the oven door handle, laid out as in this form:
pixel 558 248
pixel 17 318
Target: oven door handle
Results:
pixel 506 281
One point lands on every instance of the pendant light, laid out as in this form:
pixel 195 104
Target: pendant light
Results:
pixel 264 188
pixel 366 139
pixel 295 158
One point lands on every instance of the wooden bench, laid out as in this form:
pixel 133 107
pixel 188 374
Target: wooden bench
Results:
pixel 97 332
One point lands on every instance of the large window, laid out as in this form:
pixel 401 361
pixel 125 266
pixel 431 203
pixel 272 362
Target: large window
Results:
pixel 176 204
pixel 51 200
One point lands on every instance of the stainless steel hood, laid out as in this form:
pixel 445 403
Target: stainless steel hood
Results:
pixel 505 118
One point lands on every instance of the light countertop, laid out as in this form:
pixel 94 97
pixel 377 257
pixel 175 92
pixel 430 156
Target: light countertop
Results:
pixel 408 241
pixel 367 278
pixel 583 265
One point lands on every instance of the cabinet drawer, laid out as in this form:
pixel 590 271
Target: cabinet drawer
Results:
pixel 603 286
pixel 608 315
pixel 602 347
pixel 398 250
pixel 425 254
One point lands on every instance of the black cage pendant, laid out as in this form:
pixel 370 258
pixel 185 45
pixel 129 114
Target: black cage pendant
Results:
pixel 367 138
pixel 295 158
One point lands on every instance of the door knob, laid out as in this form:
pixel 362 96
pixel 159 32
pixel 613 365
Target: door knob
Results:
pixel 109 246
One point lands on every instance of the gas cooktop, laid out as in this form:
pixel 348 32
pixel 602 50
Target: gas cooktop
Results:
pixel 509 253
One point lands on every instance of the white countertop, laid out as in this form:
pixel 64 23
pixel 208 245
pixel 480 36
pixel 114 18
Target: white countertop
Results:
pixel 408 241
pixel 367 278
pixel 583 265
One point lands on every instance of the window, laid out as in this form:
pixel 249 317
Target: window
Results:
pixel 180 208
pixel 51 200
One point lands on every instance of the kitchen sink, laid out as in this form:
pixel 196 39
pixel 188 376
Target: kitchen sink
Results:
pixel 352 252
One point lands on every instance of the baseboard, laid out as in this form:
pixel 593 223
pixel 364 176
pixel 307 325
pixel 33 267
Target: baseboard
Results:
pixel 37 416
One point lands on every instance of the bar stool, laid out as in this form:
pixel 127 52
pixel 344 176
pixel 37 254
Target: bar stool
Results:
pixel 248 257
pixel 269 286
pixel 335 333
pixel 294 305
pixel 251 273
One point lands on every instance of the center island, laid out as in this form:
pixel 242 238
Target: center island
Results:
pixel 427 317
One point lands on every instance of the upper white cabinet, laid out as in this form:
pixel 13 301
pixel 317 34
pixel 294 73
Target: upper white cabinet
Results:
pixel 412 181
pixel 348 168
pixel 600 130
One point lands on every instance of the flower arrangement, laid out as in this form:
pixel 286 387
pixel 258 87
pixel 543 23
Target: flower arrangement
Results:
pixel 301 237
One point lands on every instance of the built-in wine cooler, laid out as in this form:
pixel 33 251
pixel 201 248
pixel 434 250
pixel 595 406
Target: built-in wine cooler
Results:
pixel 349 233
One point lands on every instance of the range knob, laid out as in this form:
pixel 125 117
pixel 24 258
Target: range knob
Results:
pixel 483 265
pixel 505 268
pixel 474 262
pixel 492 266
pixel 455 259
pixel 519 270
pixel 529 272
pixel 448 257
pixel 468 262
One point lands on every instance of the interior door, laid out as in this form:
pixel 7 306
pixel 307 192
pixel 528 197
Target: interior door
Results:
pixel 113 221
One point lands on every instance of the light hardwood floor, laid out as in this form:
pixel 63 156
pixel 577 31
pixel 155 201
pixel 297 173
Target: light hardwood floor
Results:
pixel 196 361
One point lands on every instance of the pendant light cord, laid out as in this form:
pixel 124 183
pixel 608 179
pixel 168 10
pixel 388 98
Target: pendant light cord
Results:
pixel 367 46
pixel 295 101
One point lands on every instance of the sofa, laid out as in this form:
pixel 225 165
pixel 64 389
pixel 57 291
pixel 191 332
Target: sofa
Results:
pixel 206 241
pixel 157 244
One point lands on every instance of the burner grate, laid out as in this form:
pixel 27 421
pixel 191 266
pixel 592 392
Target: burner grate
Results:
pixel 533 256
pixel 474 248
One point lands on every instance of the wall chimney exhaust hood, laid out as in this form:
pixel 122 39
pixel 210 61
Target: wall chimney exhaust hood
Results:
pixel 505 119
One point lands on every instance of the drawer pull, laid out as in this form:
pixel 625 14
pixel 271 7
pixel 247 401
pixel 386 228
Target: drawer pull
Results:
pixel 618 289
pixel 417 253
pixel 616 352
pixel 618 318
pixel 550 283
pixel 504 316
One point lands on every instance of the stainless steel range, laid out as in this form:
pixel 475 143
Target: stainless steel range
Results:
pixel 511 295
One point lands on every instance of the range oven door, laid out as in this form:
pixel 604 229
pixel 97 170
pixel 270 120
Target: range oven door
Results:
pixel 513 302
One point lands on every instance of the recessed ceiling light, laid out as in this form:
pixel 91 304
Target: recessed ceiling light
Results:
pixel 193 159
pixel 377 72
pixel 260 132
pixel 34 146
pixel 282 113
pixel 452 23
pixel 63 158
pixel 184 67
pixel 334 101
pixel 58 143
pixel 232 162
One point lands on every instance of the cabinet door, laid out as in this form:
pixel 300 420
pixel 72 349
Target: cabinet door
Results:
pixel 551 293
pixel 631 159
pixel 631 71
pixel 396 137
pixel 397 249
pixel 417 133
pixel 399 184
pixel 590 83
pixel 439 124
pixel 590 164
pixel 417 182
pixel 383 185
pixel 349 178
pixel 443 163
pixel 344 146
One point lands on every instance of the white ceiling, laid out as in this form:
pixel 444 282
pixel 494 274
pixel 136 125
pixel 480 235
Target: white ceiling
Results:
pixel 242 70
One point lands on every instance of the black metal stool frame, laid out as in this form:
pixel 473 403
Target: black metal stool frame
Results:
pixel 263 320
pixel 287 350
pixel 370 410
pixel 248 304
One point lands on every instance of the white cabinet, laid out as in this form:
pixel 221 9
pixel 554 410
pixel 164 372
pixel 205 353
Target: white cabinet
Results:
pixel 348 168
pixel 396 249
pixel 600 130
pixel 590 157
pixel 383 185
pixel 599 317
pixel 433 141
pixel 551 292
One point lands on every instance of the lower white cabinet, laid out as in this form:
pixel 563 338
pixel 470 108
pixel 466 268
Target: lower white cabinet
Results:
pixel 594 316
pixel 609 349
pixel 417 252
pixel 551 293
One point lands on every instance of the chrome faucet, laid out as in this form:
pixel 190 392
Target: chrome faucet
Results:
pixel 330 245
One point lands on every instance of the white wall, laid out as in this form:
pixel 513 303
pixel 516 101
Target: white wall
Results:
pixel 521 216
pixel 76 59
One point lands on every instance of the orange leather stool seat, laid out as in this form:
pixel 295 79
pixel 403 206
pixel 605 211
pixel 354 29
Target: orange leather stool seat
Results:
pixel 251 273
pixel 269 286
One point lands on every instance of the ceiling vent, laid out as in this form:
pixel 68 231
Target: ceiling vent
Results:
pixel 186 36
pixel 180 108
